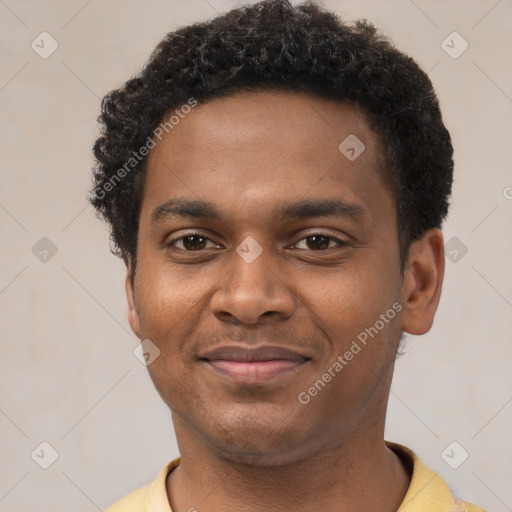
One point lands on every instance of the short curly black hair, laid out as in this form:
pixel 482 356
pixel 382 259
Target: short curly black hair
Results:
pixel 275 45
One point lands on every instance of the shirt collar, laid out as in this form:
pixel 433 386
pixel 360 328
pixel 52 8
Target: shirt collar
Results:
pixel 427 491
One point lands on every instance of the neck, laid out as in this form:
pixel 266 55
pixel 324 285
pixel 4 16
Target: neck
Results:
pixel 359 473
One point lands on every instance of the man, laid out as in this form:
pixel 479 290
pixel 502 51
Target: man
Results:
pixel 275 181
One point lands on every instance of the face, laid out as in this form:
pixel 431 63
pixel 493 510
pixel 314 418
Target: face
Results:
pixel 265 257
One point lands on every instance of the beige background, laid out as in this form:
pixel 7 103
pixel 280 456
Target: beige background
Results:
pixel 68 375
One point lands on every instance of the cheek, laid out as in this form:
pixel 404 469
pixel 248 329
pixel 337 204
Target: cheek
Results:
pixel 162 309
pixel 165 314
pixel 353 307
pixel 349 295
pixel 172 311
pixel 164 296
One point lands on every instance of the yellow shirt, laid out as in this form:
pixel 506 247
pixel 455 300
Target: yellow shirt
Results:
pixel 427 491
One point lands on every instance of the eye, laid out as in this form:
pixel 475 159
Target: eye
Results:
pixel 191 242
pixel 196 241
pixel 320 242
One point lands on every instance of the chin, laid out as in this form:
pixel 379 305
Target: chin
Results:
pixel 262 446
pixel 253 456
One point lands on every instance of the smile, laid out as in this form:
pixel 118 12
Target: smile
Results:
pixel 254 366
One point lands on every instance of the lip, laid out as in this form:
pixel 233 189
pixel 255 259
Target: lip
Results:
pixel 253 366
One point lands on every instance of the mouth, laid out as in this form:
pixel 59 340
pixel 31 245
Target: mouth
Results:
pixel 253 366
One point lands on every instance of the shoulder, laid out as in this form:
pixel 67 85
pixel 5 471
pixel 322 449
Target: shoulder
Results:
pixel 427 492
pixel 152 497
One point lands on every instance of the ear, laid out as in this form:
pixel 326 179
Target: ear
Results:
pixel 133 315
pixel 423 280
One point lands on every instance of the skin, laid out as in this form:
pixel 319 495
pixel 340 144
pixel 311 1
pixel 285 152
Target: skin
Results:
pixel 249 154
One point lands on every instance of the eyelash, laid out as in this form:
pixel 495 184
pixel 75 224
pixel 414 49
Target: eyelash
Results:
pixel 340 243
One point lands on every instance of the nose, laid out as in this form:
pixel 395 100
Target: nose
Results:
pixel 252 292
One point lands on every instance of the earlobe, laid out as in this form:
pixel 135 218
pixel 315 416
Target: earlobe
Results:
pixel 423 279
pixel 133 315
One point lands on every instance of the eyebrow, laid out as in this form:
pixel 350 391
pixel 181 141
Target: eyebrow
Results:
pixel 198 209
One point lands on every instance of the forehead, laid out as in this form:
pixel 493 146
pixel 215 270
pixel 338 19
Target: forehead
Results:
pixel 256 147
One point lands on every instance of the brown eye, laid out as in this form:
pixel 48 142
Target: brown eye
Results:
pixel 191 242
pixel 319 242
pixel 194 242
